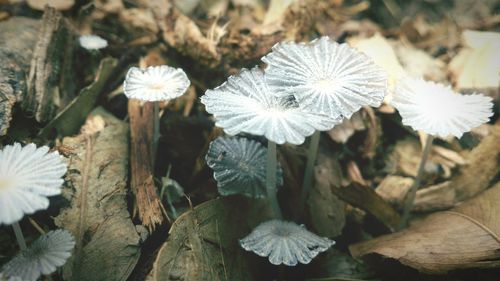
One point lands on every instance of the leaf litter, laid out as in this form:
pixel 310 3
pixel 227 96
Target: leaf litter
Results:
pixel 53 94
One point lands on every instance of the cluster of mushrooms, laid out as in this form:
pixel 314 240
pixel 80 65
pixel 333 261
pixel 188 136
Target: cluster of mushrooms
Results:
pixel 305 88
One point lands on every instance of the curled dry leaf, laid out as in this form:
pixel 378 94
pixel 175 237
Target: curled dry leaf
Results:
pixel 468 236
pixel 107 244
pixel 203 243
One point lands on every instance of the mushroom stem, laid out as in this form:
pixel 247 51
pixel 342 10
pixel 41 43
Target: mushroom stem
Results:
pixel 410 197
pixel 271 178
pixel 308 175
pixel 19 236
pixel 156 128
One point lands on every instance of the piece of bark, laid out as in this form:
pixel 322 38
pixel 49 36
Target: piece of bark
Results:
pixel 368 200
pixel 326 211
pixel 45 94
pixel 148 204
pixel 465 237
pixel 17 37
pixel 107 244
pixel 36 66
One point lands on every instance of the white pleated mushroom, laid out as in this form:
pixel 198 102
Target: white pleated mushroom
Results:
pixel 43 257
pixel 246 104
pixel 28 175
pixel 436 110
pixel 239 166
pixel 285 243
pixel 155 83
pixel 325 77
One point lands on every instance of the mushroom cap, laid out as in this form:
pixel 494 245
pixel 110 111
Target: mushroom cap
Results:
pixel 92 42
pixel 239 166
pixel 245 104
pixel 155 83
pixel 325 77
pixel 27 176
pixel 285 243
pixel 43 256
pixel 437 110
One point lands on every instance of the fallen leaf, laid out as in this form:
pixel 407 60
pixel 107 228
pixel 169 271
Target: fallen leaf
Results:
pixel 107 244
pixel 69 120
pixel 468 236
pixel 203 243
pixel 477 66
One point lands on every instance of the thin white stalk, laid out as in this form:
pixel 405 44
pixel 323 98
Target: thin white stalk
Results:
pixel 19 236
pixel 410 197
pixel 309 172
pixel 271 178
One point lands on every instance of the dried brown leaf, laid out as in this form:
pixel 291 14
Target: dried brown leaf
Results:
pixel 203 243
pixel 107 245
pixel 465 237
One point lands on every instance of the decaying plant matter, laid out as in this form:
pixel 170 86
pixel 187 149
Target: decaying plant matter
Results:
pixel 169 140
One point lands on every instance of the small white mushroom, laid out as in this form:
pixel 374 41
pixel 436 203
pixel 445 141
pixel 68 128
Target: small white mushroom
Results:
pixel 325 77
pixel 246 104
pixel 43 257
pixel 155 83
pixel 239 166
pixel 437 110
pixel 285 243
pixel 28 175
pixel 92 42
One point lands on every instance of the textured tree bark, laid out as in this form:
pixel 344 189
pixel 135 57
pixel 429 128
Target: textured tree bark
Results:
pixel 36 67
pixel 148 203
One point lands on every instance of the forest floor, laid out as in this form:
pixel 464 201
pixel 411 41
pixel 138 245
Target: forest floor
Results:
pixel 140 214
